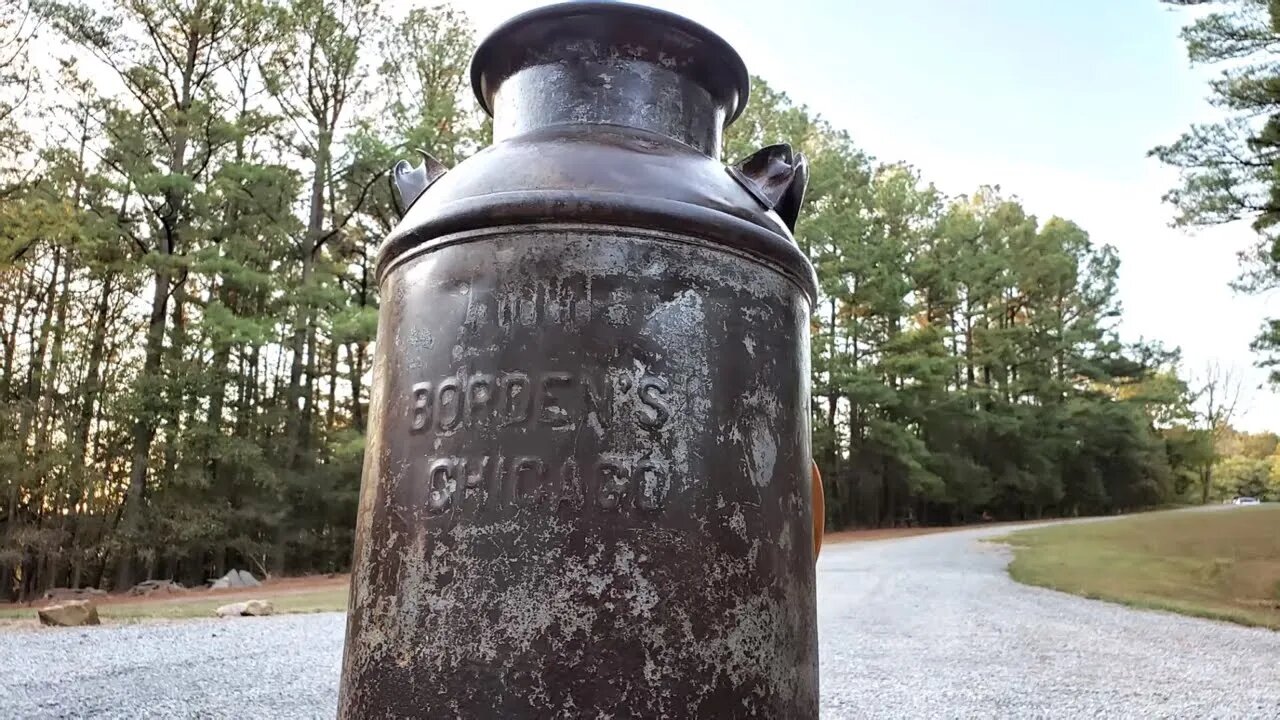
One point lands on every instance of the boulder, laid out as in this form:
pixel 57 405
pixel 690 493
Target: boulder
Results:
pixel 259 607
pixel 71 613
pixel 235 579
pixel 232 610
pixel 246 608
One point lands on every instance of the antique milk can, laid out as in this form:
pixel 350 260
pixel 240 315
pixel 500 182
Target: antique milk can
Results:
pixel 586 488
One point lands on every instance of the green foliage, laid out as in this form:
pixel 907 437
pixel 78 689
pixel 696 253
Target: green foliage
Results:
pixel 964 352
pixel 1230 170
pixel 1243 476
pixel 1246 464
pixel 188 304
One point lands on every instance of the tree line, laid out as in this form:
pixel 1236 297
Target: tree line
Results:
pixel 192 193
pixel 1247 465
pixel 965 354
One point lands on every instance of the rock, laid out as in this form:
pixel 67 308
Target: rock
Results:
pixel 72 593
pixel 246 608
pixel 71 613
pixel 149 587
pixel 232 610
pixel 259 607
pixel 235 579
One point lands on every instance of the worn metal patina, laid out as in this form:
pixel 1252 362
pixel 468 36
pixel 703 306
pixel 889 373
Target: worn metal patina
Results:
pixel 587 486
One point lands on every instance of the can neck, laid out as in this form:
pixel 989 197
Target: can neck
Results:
pixel 610 63
pixel 610 91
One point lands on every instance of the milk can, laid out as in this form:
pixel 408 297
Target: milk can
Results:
pixel 586 489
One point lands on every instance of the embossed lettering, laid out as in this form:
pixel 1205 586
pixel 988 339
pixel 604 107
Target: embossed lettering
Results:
pixel 479 398
pixel 562 399
pixel 657 410
pixel 584 303
pixel 421 407
pixel 477 313
pixel 449 395
pixel 441 483
pixel 612 485
pixel 497 478
pixel 527 306
pixel 571 491
pixel 568 301
pixel 597 400
pixel 557 302
pixel 469 487
pixel 550 411
pixel 519 305
pixel 473 473
pixel 474 476
pixel 527 475
pixel 507 311
pixel 651 484
pixel 517 400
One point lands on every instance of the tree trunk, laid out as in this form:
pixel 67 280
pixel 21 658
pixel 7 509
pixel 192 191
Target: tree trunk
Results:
pixel 355 360
pixel 53 551
pixel 213 420
pixel 331 409
pixel 172 221
pixel 309 388
pixel 26 421
pixel 144 426
pixel 175 400
pixel 299 407
pixel 10 351
pixel 968 348
pixel 90 388
pixel 47 415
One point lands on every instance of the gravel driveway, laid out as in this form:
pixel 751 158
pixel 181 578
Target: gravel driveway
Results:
pixel 924 627
pixel 932 627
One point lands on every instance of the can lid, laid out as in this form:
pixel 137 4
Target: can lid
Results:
pixel 552 33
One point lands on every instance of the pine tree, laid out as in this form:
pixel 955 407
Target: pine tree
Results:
pixel 1231 169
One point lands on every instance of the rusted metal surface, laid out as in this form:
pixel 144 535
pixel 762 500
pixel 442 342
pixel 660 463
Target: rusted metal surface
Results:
pixel 587 486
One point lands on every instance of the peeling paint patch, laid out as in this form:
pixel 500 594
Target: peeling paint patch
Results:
pixel 764 455
pixel 738 523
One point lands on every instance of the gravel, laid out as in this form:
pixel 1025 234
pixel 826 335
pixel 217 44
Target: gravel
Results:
pixel 924 627
pixel 285 666
pixel 932 627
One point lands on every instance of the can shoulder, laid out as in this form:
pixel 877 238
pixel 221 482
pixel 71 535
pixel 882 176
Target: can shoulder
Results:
pixel 596 174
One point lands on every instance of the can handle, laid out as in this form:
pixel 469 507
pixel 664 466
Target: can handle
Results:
pixel 777 176
pixel 819 511
pixel 409 182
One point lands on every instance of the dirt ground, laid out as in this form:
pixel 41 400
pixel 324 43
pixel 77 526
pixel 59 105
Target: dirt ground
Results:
pixel 282 588
pixel 162 605
pixel 274 587
pixel 845 536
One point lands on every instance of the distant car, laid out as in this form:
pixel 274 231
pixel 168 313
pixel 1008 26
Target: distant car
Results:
pixel 1246 501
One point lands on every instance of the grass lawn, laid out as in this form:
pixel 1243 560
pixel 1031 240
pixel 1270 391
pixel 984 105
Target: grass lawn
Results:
pixel 301 595
pixel 1219 563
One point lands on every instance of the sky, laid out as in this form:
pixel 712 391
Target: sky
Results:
pixel 1055 102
